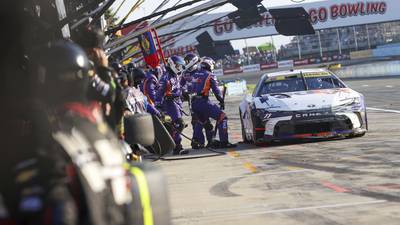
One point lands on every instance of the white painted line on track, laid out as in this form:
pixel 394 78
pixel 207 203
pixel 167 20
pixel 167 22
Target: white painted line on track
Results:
pixel 228 215
pixel 320 207
pixel 249 176
pixel 384 110
pixel 274 173
pixel 389 86
pixel 365 85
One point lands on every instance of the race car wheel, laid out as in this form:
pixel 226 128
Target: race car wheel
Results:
pixel 257 134
pixel 244 138
pixel 150 203
pixel 355 135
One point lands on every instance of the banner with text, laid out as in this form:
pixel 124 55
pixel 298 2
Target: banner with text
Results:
pixel 324 14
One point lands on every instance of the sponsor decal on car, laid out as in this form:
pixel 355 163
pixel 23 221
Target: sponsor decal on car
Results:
pixel 311 115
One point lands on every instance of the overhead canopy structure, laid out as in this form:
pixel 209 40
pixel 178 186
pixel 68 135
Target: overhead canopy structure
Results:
pixel 129 39
pixel 323 15
pixel 243 17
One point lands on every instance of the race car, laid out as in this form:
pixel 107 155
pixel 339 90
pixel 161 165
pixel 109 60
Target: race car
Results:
pixel 309 103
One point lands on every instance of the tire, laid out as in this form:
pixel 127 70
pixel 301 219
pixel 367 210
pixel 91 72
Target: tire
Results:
pixel 256 134
pixel 353 135
pixel 244 138
pixel 163 140
pixel 150 197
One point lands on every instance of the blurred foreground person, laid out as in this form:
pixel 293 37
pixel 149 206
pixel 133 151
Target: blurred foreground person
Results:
pixel 70 168
pixel 102 85
pixel 80 139
pixel 60 164
pixel 88 183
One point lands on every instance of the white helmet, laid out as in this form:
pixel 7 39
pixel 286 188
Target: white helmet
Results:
pixel 177 64
pixel 207 63
pixel 191 61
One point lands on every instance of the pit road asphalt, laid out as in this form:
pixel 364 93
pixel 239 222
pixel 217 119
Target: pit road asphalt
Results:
pixel 341 181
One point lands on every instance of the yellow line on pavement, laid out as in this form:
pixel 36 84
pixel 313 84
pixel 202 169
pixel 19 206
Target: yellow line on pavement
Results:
pixel 250 167
pixel 233 154
pixel 294 168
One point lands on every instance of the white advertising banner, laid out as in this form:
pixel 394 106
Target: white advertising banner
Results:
pixel 324 14
pixel 218 72
pixel 285 64
pixel 251 68
pixel 236 88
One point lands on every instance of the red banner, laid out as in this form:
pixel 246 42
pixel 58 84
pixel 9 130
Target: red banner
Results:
pixel 269 66
pixel 301 62
pixel 232 70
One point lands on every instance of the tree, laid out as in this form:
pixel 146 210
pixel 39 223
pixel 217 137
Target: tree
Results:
pixel 266 47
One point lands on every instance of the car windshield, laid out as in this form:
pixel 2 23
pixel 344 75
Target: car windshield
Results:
pixel 299 82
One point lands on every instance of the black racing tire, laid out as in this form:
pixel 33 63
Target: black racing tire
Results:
pixel 257 135
pixel 163 143
pixel 244 138
pixel 155 148
pixel 150 197
pixel 354 135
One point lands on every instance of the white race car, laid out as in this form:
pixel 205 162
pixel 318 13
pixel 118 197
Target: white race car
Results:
pixel 309 103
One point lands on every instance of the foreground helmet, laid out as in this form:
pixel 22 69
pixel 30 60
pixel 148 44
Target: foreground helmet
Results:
pixel 156 71
pixel 191 61
pixel 130 66
pixel 176 64
pixel 137 75
pixel 63 69
pixel 116 66
pixel 207 63
pixel 89 37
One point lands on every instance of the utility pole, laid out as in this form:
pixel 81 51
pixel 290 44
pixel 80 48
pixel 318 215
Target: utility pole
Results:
pixel 247 51
pixel 298 46
pixel 355 37
pixel 320 44
pixel 273 49
pixel 368 39
pixel 339 41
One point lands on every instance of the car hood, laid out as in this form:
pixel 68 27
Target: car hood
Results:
pixel 307 100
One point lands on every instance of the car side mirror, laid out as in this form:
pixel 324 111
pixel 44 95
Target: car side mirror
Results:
pixel 139 129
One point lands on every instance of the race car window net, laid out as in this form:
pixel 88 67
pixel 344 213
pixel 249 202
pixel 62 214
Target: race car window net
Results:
pixel 295 82
pixel 255 91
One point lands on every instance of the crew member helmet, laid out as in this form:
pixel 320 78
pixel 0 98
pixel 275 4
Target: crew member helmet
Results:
pixel 207 63
pixel 63 72
pixel 176 64
pixel 191 61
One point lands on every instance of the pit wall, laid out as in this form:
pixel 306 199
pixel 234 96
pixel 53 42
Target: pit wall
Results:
pixel 364 70
pixel 377 69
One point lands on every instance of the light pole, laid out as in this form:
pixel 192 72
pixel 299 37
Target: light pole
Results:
pixel 355 37
pixel 298 46
pixel 339 41
pixel 320 44
pixel 247 51
pixel 273 49
pixel 368 40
